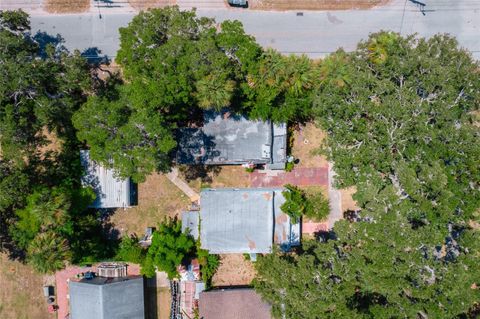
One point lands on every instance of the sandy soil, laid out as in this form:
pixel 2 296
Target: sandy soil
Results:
pixel 234 270
pixel 66 6
pixel 307 140
pixel 313 4
pixel 347 201
pixel 21 294
pixel 157 198
pixel 147 4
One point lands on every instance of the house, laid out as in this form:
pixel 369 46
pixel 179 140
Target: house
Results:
pixel 233 304
pixel 246 220
pixel 100 297
pixel 229 139
pixel 111 191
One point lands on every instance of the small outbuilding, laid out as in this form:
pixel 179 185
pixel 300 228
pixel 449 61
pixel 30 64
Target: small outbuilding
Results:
pixel 111 191
pixel 233 304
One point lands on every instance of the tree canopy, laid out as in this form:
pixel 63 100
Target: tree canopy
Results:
pixel 174 65
pixel 43 214
pixel 398 116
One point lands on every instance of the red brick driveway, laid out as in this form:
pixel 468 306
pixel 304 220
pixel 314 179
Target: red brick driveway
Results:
pixel 317 176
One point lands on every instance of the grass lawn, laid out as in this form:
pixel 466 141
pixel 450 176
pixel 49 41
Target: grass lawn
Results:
pixel 157 198
pixel 307 140
pixel 234 270
pixel 21 292
pixel 199 177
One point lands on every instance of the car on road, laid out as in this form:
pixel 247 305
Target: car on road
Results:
pixel 238 3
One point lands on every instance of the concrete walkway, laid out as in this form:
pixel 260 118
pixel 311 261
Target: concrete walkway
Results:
pixel 173 177
pixel 335 198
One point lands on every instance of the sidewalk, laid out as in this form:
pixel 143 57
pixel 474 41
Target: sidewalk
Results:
pixel 173 177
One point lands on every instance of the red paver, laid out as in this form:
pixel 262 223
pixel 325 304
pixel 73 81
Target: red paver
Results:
pixel 311 227
pixel 62 278
pixel 317 176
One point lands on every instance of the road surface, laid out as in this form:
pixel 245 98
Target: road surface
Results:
pixel 314 33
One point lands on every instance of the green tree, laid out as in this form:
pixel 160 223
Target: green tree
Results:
pixel 400 129
pixel 169 248
pixel 48 252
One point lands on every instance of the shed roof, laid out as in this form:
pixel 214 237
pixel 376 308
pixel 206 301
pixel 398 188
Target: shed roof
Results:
pixel 112 192
pixel 106 298
pixel 247 220
pixel 233 304
pixel 228 138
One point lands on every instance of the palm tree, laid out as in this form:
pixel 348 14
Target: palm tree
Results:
pixel 48 252
pixel 214 91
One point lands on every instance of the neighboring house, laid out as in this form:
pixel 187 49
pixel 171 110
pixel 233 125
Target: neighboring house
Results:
pixel 233 304
pixel 248 220
pixel 112 192
pixel 102 297
pixel 227 138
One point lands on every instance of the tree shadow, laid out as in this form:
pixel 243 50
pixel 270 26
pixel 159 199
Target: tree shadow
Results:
pixel 151 297
pixel 204 172
pixel 94 56
pixel 45 40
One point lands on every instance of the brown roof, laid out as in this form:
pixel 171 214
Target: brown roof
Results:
pixel 233 304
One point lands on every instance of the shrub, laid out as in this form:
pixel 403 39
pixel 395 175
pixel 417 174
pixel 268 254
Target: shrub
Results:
pixel 130 250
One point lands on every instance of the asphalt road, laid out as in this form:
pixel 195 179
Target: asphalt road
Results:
pixel 313 33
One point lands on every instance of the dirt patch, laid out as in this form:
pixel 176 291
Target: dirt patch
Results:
pixel 199 177
pixel 347 201
pixel 314 4
pixel 234 270
pixel 307 141
pixel 21 294
pixel 66 6
pixel 157 198
pixel 158 301
pixel 147 4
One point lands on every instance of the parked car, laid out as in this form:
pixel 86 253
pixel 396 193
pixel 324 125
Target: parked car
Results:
pixel 238 3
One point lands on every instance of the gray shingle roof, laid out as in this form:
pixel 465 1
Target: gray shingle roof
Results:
pixel 107 298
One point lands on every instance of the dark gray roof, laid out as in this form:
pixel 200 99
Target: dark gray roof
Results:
pixel 227 138
pixel 106 298
pixel 245 220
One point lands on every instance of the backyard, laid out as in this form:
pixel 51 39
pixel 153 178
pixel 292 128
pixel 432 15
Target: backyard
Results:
pixel 157 198
pixel 21 294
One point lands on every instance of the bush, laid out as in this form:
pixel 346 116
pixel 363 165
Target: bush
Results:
pixel 209 264
pixel 130 250
pixel 295 202
pixel 289 166
pixel 318 206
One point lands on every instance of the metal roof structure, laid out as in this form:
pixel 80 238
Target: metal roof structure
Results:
pixel 233 304
pixel 191 221
pixel 245 220
pixel 228 138
pixel 107 298
pixel 112 192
